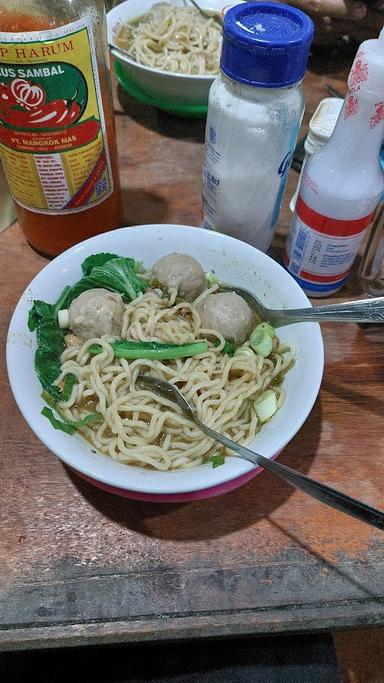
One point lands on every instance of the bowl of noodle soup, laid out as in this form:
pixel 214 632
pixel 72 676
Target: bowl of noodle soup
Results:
pixel 172 52
pixel 174 468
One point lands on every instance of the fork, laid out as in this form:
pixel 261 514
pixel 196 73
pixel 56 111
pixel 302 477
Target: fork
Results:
pixel 322 492
pixel 362 311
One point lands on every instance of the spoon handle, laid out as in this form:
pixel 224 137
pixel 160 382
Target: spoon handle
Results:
pixel 122 53
pixel 363 311
pixel 326 494
pixel 322 492
pixel 207 13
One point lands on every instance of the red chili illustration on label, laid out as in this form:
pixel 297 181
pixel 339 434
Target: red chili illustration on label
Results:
pixel 23 105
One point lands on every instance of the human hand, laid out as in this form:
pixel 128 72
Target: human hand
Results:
pixel 335 18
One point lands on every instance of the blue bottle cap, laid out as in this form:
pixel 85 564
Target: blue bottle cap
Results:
pixel 265 44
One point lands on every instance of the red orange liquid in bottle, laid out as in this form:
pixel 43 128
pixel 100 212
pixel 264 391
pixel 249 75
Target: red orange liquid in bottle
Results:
pixel 57 138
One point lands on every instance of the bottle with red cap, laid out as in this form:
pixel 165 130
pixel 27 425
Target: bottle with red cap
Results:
pixel 342 183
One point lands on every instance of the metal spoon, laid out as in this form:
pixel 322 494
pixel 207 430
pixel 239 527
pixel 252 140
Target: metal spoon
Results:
pixel 322 492
pixel 208 14
pixel 363 311
pixel 123 53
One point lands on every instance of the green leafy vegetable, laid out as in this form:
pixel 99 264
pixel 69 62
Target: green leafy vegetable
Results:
pixel 96 260
pixel 50 343
pixel 217 460
pixel 69 382
pixel 124 348
pixel 40 311
pixel 117 275
pixel 57 424
pixel 112 272
pixel 100 259
pixel 70 426
pixel 50 338
pixel 64 299
pixel 95 349
pixel 229 348
pixel 48 398
pixel 47 369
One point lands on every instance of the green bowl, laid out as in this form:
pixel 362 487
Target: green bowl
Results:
pixel 190 111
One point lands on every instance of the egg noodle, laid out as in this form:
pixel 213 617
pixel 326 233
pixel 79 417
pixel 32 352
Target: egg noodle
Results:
pixel 172 38
pixel 141 428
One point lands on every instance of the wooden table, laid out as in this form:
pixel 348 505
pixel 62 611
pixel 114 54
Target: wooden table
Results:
pixel 81 566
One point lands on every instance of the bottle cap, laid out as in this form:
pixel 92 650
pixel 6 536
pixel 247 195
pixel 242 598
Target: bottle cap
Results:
pixel 265 44
pixel 367 69
pixel 324 119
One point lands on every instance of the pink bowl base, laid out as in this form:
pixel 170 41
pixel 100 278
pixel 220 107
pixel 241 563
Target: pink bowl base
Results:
pixel 186 497
pixel 174 497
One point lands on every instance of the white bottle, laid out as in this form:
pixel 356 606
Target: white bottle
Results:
pixel 254 115
pixel 320 129
pixel 342 183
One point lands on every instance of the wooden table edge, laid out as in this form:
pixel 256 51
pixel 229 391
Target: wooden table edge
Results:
pixel 168 627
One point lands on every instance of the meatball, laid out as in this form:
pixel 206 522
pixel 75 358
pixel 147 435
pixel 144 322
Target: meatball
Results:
pixel 227 313
pixel 96 312
pixel 182 272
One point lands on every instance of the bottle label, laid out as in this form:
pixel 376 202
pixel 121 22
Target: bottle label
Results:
pixel 211 185
pixel 240 199
pixel 52 128
pixel 320 250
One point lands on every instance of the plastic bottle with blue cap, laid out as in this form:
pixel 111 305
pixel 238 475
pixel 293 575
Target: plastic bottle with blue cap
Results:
pixel 255 110
pixel 342 183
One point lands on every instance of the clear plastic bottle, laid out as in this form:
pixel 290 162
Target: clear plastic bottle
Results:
pixel 342 183
pixel 57 138
pixel 255 110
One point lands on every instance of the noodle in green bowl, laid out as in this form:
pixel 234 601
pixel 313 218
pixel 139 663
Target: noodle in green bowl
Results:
pixel 171 57
pixel 171 38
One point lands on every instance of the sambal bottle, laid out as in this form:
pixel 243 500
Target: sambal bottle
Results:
pixel 57 132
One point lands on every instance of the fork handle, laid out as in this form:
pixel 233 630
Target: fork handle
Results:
pixel 363 311
pixel 322 492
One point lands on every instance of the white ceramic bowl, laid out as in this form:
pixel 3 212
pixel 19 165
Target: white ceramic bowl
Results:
pixel 164 86
pixel 233 261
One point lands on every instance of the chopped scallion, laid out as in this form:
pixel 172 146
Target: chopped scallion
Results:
pixel 261 339
pixel 211 278
pixel 217 460
pixel 266 405
pixel 63 318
